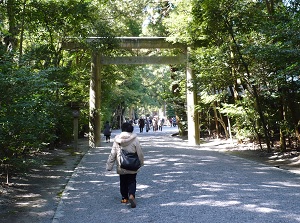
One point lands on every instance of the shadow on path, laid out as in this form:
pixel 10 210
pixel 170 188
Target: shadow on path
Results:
pixel 181 183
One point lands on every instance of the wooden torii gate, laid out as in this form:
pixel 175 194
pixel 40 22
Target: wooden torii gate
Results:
pixel 129 43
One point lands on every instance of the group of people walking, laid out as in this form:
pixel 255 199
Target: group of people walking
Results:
pixel 144 123
pixel 148 123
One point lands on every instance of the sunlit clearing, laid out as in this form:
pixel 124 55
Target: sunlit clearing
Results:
pixel 36 204
pixel 204 202
pixel 255 208
pixel 286 184
pixel 212 186
pixel 29 195
pixel 179 164
pixel 148 195
pixel 96 181
pixel 141 186
pixel 259 172
pixel 111 175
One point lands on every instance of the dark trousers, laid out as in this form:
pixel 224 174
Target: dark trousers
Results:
pixel 127 185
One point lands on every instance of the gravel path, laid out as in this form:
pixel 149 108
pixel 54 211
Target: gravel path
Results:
pixel 181 183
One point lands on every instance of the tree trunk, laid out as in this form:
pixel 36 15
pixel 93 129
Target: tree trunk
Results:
pixel 253 86
pixel 282 120
pixel 216 119
pixel 10 40
pixel 258 136
pixel 282 130
pixel 22 32
pixel 293 107
pixel 179 104
pixel 270 6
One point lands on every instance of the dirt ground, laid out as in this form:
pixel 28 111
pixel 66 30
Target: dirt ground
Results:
pixel 289 160
pixel 33 197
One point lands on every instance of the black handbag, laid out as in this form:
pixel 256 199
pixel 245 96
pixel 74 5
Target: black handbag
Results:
pixel 129 161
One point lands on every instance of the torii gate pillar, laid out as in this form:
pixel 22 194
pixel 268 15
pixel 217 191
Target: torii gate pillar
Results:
pixel 192 114
pixel 95 95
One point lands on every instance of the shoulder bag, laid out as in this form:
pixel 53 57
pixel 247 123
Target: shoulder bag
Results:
pixel 129 161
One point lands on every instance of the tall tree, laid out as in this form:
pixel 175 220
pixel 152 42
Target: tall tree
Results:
pixel 237 52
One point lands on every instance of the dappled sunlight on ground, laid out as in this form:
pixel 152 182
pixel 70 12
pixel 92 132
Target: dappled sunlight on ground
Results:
pixel 33 196
pixel 182 183
pixel 178 183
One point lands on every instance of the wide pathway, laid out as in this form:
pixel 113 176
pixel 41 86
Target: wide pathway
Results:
pixel 181 183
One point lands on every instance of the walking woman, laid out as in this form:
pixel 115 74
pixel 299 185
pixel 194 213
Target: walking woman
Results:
pixel 107 131
pixel 141 124
pixel 127 141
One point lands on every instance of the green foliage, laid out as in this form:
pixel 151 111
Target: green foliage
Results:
pixel 37 88
pixel 155 13
pixel 133 86
pixel 244 118
pixel 245 56
pixel 30 115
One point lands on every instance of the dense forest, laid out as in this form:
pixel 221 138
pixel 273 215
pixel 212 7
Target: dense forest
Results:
pixel 245 55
